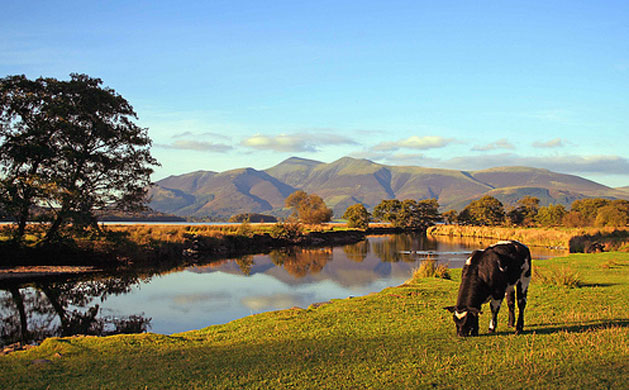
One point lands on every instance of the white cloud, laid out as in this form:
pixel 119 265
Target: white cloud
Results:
pixel 297 142
pixel 199 135
pixel 553 143
pixel 415 142
pixel 200 146
pixel 500 144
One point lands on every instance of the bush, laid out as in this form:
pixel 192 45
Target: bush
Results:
pixel 560 277
pixel 429 268
pixel 244 229
pixel 286 230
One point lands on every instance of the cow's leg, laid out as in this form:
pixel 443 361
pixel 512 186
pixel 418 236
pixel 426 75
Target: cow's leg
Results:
pixel 495 308
pixel 511 305
pixel 522 289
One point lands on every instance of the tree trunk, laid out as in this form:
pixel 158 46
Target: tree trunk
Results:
pixel 19 302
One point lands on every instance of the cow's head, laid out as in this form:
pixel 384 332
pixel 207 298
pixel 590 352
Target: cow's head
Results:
pixel 466 320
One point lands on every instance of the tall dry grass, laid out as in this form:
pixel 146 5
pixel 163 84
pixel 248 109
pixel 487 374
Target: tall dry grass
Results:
pixel 560 277
pixel 428 268
pixel 575 239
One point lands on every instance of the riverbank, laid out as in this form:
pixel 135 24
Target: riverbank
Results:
pixel 139 245
pixel 577 240
pixel 398 338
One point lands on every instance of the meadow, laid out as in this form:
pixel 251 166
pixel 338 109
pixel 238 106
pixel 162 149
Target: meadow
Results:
pixel 576 336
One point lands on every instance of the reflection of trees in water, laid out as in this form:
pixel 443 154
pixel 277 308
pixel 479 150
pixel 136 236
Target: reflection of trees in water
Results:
pixel 43 309
pixel 245 263
pixel 300 262
pixel 390 249
pixel 357 252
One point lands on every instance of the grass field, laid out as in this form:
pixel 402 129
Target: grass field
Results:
pixel 576 337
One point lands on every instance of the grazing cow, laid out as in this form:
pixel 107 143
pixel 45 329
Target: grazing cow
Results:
pixel 487 276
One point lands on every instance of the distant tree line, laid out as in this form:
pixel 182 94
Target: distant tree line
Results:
pixel 406 214
pixel 527 212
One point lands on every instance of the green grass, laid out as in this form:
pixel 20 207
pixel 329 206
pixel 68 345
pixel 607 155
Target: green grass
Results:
pixel 398 338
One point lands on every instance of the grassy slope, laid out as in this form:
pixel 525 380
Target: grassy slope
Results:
pixel 398 338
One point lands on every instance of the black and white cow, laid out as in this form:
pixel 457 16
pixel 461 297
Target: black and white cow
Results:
pixel 488 276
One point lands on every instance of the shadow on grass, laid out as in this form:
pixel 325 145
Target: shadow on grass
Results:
pixel 598 285
pixel 566 328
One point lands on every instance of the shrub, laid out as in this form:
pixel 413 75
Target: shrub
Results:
pixel 560 277
pixel 286 230
pixel 244 229
pixel 429 268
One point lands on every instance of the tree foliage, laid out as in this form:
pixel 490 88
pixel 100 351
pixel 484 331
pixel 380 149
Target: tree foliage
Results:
pixel 357 216
pixel 71 147
pixel 408 214
pixel 614 214
pixel 588 208
pixel 524 212
pixel 484 211
pixel 388 211
pixel 450 216
pixel 551 215
pixel 308 208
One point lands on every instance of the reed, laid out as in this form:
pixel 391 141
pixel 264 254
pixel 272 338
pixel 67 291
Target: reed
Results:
pixel 575 239
pixel 428 268
pixel 559 277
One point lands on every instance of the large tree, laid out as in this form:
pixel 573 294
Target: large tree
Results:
pixel 26 145
pixel 357 216
pixel 308 208
pixel 484 211
pixel 72 147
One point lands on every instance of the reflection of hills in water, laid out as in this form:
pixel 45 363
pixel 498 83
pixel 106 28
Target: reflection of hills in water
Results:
pixel 351 265
pixel 390 256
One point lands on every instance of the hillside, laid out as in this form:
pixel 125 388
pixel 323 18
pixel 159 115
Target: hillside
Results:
pixel 348 180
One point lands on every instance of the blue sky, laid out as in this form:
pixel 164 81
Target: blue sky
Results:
pixel 452 84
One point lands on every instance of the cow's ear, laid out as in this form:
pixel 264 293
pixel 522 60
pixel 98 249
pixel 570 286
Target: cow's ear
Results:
pixel 451 309
pixel 474 310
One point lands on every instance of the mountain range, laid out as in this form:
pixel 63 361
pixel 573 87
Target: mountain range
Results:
pixel 349 180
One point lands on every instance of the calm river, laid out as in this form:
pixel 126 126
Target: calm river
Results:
pixel 198 296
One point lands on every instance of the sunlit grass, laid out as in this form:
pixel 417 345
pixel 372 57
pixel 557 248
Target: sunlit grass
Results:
pixel 399 338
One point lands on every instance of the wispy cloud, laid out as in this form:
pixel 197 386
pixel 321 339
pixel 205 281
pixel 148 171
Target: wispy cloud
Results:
pixel 190 134
pixel 567 163
pixel 415 142
pixel 200 146
pixel 296 142
pixel 500 144
pixel 275 301
pixel 553 143
pixel 578 165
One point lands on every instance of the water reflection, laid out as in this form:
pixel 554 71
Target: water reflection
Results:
pixel 300 262
pixel 186 298
pixel 357 252
pixel 38 309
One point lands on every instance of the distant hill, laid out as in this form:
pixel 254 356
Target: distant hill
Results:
pixel 348 180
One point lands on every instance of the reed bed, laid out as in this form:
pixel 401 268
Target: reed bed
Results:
pixel 428 268
pixel 575 239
